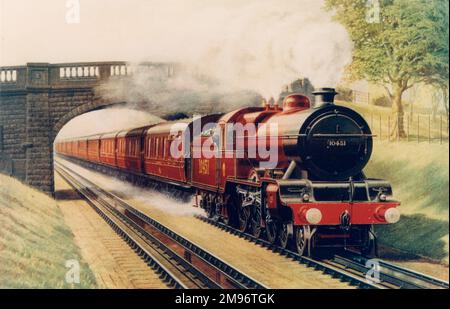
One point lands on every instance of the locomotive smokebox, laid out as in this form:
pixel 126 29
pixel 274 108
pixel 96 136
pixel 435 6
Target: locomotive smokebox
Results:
pixel 324 96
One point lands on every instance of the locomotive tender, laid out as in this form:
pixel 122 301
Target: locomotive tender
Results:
pixel 314 196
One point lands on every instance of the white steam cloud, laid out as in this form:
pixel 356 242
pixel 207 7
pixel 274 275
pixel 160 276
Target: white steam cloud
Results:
pixel 256 45
pixel 104 121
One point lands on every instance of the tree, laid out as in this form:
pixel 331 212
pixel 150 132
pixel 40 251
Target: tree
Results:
pixel 398 48
pixel 437 73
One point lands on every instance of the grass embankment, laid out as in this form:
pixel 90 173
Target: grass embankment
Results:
pixel 419 174
pixel 35 243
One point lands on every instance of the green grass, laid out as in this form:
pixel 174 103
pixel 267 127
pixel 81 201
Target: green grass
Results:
pixel 35 243
pixel 419 174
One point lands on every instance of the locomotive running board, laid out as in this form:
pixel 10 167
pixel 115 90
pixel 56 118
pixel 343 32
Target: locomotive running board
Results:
pixel 292 190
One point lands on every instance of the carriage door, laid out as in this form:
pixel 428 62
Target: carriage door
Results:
pixel 143 149
pixel 220 158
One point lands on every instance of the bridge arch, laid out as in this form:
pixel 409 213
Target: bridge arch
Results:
pixel 38 99
pixel 80 110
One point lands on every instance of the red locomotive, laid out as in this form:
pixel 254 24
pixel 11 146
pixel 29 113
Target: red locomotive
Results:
pixel 314 193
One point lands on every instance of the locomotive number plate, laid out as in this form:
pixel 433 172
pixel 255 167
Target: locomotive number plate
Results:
pixel 336 143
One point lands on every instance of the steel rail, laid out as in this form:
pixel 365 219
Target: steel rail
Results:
pixel 390 274
pixel 319 265
pixel 201 263
pixel 151 257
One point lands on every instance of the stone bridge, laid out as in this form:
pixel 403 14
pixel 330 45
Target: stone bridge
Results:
pixel 37 100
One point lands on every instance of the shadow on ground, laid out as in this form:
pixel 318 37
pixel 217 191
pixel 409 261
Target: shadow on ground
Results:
pixel 67 195
pixel 415 235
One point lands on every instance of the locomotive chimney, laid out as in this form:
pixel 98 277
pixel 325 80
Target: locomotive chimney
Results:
pixel 324 96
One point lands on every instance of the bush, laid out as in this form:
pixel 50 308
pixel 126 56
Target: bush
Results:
pixel 383 101
pixel 344 94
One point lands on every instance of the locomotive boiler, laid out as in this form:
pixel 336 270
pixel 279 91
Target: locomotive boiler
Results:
pixel 309 191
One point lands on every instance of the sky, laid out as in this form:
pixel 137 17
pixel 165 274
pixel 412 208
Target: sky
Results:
pixel 38 31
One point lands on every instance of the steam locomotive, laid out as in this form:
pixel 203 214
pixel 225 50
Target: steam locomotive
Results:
pixel 314 196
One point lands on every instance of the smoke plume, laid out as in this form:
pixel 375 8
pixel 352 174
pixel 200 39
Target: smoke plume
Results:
pixel 233 51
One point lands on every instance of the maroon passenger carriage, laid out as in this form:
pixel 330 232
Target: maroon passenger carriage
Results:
pixel 315 196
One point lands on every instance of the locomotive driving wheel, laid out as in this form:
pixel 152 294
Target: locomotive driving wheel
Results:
pixel 243 215
pixel 283 236
pixel 255 221
pixel 301 239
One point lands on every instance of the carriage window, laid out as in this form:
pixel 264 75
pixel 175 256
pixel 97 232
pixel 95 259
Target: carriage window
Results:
pixel 222 137
pixel 164 148
pixel 157 147
pixel 151 147
pixel 150 150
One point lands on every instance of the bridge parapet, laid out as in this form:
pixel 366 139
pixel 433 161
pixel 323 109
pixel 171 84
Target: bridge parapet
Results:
pixel 69 75
pixel 62 75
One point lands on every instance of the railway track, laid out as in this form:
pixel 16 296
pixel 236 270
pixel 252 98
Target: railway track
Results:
pixel 180 263
pixel 350 267
pixel 390 275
